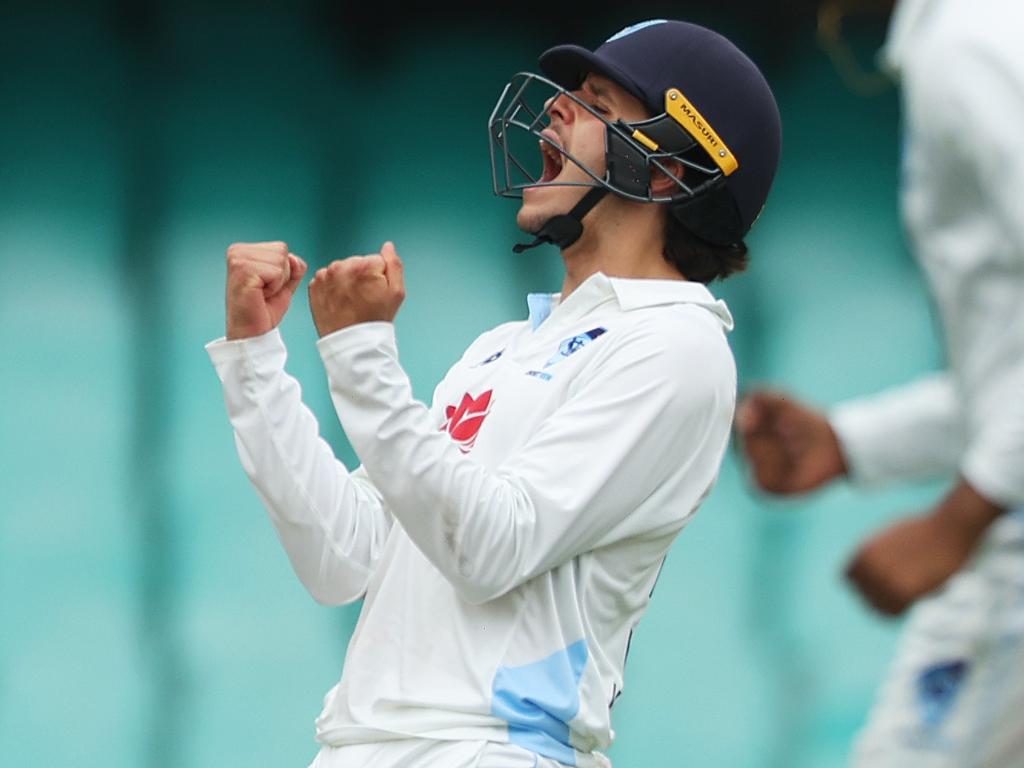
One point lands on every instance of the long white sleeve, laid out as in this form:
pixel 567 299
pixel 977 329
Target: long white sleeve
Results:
pixel 906 432
pixel 994 458
pixel 332 523
pixel 651 418
pixel 963 203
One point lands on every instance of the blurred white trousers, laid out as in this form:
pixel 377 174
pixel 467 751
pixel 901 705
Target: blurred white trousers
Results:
pixel 954 695
pixel 429 753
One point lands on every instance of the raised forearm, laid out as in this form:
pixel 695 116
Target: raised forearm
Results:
pixel 331 524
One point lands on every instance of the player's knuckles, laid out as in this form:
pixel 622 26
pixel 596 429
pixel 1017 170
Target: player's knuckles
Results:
pixel 342 269
pixel 363 267
pixel 244 261
pixel 239 255
pixel 334 282
pixel 276 246
pixel 271 246
pixel 240 247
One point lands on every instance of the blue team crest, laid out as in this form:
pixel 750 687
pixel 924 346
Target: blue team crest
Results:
pixel 573 345
pixel 937 689
pixel 634 28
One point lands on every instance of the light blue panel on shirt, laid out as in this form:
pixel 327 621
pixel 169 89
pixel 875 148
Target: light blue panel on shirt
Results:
pixel 540 306
pixel 538 701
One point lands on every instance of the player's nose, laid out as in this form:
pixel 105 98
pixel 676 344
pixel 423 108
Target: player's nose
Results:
pixel 560 107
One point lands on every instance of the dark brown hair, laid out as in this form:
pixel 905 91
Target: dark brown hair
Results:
pixel 699 260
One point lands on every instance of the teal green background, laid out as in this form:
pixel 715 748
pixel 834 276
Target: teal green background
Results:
pixel 148 616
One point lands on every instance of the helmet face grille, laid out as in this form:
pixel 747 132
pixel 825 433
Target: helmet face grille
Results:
pixel 632 150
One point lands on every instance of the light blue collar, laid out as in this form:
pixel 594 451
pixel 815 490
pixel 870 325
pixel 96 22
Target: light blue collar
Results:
pixel 540 305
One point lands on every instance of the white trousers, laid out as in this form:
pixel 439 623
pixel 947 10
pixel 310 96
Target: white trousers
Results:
pixel 428 753
pixel 954 695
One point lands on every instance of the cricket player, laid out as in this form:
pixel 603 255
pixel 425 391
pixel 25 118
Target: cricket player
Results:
pixel 955 693
pixel 505 538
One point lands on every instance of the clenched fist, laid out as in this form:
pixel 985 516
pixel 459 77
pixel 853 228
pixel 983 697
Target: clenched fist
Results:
pixel 358 289
pixel 911 558
pixel 791 447
pixel 262 278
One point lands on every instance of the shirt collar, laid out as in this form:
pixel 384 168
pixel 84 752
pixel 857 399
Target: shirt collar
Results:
pixel 589 294
pixel 637 294
pixel 629 293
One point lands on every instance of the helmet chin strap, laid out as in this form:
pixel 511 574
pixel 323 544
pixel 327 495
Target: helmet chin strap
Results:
pixel 565 229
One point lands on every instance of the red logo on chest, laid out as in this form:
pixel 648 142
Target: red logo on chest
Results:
pixel 464 422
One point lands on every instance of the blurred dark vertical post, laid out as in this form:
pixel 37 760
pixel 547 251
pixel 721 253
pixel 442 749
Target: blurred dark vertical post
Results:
pixel 343 169
pixel 340 164
pixel 145 179
pixel 343 165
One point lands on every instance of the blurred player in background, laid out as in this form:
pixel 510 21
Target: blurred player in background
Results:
pixel 507 538
pixel 955 693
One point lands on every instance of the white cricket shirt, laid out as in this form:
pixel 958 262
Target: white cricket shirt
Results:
pixel 961 63
pixel 507 538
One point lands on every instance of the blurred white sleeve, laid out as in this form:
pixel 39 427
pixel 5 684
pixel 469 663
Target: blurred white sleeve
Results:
pixel 907 432
pixel 965 104
pixel 332 524
pixel 994 461
pixel 987 84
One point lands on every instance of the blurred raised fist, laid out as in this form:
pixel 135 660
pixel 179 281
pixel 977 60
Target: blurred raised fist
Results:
pixel 907 560
pixel 911 558
pixel 358 289
pixel 262 278
pixel 790 446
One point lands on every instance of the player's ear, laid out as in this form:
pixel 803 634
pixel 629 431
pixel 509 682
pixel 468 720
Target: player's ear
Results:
pixel 661 183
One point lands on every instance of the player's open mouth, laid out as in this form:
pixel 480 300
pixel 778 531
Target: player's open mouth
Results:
pixel 553 159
